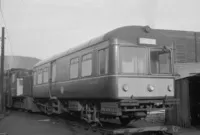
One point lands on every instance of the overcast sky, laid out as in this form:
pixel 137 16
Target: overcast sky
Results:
pixel 42 28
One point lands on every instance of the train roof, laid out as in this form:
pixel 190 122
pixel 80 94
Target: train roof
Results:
pixel 121 32
pixel 18 69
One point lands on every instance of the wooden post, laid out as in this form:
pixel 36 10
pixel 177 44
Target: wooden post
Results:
pixel 2 94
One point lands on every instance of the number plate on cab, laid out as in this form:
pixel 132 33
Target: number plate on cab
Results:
pixel 110 108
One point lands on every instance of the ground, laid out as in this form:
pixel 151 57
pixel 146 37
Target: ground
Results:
pixel 21 123
pixel 192 131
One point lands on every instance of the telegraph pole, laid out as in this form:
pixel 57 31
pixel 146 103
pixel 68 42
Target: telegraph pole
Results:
pixel 2 94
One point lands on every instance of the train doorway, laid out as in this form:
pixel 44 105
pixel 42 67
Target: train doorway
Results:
pixel 52 77
pixel 194 98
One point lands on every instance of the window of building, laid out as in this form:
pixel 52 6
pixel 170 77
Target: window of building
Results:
pixel 103 61
pixel 39 80
pixel 45 75
pixel 86 65
pixel 74 68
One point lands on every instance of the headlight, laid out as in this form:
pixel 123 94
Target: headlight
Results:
pixel 150 88
pixel 125 87
pixel 170 88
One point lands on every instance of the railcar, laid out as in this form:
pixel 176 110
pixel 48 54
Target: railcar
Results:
pixel 122 74
pixel 18 86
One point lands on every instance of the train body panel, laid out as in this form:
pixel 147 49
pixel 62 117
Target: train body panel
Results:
pixel 41 91
pixel 144 87
pixel 110 87
pixel 92 88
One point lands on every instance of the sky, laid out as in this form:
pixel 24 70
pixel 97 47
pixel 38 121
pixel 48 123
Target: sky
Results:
pixel 42 28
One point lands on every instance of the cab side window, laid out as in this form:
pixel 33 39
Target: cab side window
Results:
pixel 74 68
pixel 86 65
pixel 103 61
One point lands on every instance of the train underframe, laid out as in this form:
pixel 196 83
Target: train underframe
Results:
pixel 94 111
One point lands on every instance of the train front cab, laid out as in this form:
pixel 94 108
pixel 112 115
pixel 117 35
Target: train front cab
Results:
pixel 145 73
pixel 144 78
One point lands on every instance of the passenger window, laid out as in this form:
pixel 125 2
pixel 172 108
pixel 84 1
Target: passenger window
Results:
pixel 39 76
pixel 45 75
pixel 21 81
pixel 34 78
pixel 103 61
pixel 53 71
pixel 13 78
pixel 74 68
pixel 86 65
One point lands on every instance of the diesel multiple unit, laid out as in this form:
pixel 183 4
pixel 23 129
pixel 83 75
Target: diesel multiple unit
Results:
pixel 122 74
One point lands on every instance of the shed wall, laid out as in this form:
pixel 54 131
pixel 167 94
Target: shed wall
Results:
pixel 180 114
pixel 184 45
pixel 197 39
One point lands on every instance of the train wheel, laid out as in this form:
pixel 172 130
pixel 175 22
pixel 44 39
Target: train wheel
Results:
pixel 124 121
pixel 48 109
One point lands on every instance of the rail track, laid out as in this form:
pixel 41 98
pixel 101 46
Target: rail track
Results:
pixel 114 128
pixel 111 128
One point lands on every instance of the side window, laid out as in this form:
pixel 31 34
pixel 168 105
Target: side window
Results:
pixel 74 68
pixel 103 61
pixel 53 71
pixel 45 75
pixel 34 77
pixel 86 65
pixel 20 81
pixel 13 78
pixel 38 76
pixel 39 80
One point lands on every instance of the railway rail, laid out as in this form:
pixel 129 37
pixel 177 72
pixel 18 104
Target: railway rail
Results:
pixel 146 126
pixel 109 128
